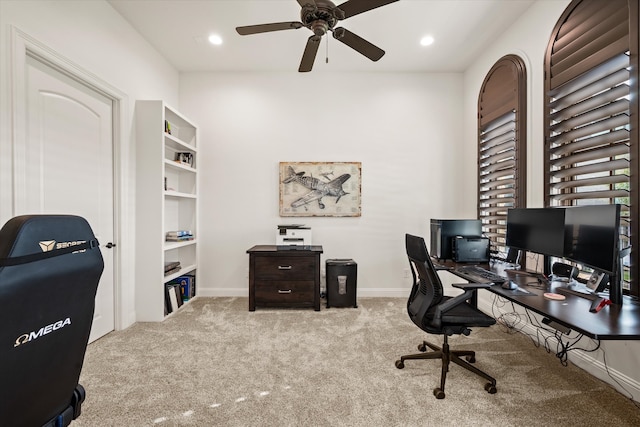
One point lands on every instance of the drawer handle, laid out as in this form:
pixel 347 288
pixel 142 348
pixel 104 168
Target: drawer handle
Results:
pixel 284 291
pixel 284 267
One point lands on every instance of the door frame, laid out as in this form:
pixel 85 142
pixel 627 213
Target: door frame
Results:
pixel 22 46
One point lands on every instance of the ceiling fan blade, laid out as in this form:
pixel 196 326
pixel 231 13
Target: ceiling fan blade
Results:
pixel 354 7
pixel 309 55
pixel 356 42
pixel 265 28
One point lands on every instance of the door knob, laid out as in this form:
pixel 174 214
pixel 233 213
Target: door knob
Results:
pixel 110 245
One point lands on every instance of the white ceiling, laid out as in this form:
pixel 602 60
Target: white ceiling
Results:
pixel 179 29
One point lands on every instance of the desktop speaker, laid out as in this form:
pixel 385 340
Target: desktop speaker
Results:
pixel 564 270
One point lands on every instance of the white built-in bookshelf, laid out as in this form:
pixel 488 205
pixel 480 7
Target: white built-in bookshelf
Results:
pixel 166 201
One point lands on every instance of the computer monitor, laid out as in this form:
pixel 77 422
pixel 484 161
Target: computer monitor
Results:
pixel 443 231
pixel 539 230
pixel 592 235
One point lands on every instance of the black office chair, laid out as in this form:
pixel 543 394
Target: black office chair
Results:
pixel 435 313
pixel 50 266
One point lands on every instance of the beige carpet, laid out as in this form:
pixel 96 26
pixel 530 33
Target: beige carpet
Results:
pixel 217 364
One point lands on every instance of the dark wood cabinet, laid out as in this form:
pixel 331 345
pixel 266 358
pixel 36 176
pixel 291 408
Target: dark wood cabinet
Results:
pixel 284 278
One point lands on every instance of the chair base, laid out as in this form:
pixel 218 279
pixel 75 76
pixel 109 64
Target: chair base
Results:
pixel 447 355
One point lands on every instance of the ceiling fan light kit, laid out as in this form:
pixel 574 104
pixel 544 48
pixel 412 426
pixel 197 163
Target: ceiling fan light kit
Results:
pixel 321 16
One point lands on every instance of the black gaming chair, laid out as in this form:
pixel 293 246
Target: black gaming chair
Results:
pixel 435 313
pixel 50 266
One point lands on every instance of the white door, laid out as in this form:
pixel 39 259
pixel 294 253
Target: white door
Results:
pixel 66 165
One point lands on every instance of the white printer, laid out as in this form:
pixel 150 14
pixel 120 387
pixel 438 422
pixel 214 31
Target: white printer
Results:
pixel 293 236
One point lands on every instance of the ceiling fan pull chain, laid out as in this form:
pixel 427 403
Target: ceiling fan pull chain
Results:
pixel 327 59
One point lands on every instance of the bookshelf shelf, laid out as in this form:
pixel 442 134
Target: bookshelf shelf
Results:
pixel 174 144
pixel 170 193
pixel 167 196
pixel 184 270
pixel 179 166
pixel 176 245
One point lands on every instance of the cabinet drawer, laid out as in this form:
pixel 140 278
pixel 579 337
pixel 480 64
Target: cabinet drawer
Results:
pixel 285 268
pixel 285 292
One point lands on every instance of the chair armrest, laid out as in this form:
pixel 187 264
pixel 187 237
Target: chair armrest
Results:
pixel 446 306
pixel 468 286
pixel 469 290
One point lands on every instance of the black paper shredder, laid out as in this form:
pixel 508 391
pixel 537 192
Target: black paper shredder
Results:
pixel 342 277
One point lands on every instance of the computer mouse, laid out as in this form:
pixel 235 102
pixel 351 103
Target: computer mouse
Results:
pixel 510 284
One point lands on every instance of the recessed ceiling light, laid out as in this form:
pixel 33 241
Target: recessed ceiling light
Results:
pixel 215 39
pixel 426 41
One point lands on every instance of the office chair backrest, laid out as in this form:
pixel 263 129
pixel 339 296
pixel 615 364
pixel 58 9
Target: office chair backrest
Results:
pixel 427 288
pixel 50 266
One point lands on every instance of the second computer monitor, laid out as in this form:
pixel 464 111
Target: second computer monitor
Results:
pixel 539 230
pixel 444 230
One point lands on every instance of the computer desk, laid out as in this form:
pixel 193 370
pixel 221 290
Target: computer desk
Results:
pixel 613 322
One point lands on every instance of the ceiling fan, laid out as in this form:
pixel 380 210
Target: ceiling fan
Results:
pixel 321 16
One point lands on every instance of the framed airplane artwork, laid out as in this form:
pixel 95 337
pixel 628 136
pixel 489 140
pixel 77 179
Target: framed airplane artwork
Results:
pixel 320 189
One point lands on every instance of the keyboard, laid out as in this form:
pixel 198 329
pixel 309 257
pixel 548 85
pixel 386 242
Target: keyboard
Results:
pixel 476 274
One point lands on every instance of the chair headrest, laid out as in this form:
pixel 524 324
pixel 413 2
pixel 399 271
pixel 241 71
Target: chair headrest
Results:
pixel 31 234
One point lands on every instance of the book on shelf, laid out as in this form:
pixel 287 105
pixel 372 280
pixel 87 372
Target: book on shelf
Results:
pixel 171 298
pixel 176 289
pixel 187 286
pixel 179 239
pixel 170 265
pixel 178 235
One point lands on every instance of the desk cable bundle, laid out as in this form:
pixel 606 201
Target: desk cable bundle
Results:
pixel 545 332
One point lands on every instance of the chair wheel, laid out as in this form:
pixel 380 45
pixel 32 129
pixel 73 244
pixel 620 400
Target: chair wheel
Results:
pixel 422 347
pixel 471 359
pixel 491 388
pixel 438 393
pixel 399 364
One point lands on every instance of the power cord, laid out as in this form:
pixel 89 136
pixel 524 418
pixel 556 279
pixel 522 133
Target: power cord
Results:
pixel 510 321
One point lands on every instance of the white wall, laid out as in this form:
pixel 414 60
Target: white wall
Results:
pixel 94 37
pixel 528 38
pixel 405 129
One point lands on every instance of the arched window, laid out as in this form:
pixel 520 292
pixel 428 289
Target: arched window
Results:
pixel 501 146
pixel 591 114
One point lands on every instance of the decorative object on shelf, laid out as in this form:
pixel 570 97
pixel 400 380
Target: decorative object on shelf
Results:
pixel 185 158
pixel 320 189
pixel 167 127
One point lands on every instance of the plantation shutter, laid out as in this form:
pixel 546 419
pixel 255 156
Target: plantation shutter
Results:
pixel 501 142
pixel 587 109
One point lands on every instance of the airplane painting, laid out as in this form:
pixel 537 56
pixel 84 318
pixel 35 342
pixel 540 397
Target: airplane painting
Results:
pixel 310 189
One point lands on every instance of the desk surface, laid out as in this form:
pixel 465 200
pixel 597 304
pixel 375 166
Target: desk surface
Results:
pixel 613 322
